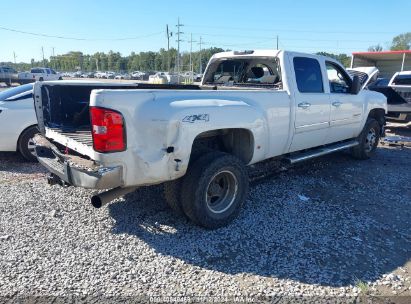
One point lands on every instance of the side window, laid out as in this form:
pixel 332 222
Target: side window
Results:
pixel 339 82
pixel 308 75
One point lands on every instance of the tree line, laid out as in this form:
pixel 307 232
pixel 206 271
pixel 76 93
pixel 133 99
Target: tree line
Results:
pixel 163 60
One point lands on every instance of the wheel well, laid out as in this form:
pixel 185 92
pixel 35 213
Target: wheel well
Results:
pixel 21 133
pixel 238 142
pixel 378 115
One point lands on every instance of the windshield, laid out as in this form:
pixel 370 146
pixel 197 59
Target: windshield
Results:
pixel 402 80
pixel 248 72
pixel 15 91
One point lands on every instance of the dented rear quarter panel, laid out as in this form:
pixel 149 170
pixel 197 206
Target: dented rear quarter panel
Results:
pixel 156 120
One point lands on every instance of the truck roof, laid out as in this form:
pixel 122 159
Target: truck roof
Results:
pixel 262 53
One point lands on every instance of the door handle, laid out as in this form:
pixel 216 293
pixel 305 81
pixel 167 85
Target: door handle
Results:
pixel 304 105
pixel 337 103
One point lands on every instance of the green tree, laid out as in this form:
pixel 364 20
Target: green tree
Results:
pixel 375 48
pixel 401 42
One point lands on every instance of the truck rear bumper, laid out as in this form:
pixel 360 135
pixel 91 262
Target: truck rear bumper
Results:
pixel 74 170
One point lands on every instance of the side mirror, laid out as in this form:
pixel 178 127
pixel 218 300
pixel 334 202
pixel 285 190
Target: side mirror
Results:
pixel 355 85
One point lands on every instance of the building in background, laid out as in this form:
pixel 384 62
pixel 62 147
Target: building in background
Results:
pixel 387 62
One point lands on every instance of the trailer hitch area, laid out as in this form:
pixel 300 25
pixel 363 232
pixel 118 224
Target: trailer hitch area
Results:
pixel 53 179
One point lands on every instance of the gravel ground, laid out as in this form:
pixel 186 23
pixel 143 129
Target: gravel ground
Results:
pixel 331 227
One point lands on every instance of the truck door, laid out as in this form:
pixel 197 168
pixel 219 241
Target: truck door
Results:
pixel 311 104
pixel 346 108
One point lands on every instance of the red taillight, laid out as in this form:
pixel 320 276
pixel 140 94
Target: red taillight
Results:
pixel 108 130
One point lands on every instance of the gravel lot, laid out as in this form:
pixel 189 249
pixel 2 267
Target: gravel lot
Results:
pixel 331 227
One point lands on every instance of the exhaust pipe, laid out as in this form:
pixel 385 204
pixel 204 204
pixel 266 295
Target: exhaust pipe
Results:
pixel 101 199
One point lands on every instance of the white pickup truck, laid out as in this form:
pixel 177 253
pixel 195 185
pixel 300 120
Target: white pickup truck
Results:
pixel 38 74
pixel 198 140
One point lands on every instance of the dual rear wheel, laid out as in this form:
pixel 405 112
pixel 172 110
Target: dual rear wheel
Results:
pixel 212 192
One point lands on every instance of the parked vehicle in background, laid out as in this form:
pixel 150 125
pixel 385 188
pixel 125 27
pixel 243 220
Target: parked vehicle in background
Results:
pixel 66 74
pixel 191 75
pixel 110 75
pixel 38 74
pixel 8 75
pixel 18 122
pixel 87 75
pixel 122 77
pixel 198 77
pixel 100 74
pixel 251 106
pixel 77 74
pixel 137 75
pixel 163 78
pixel 397 90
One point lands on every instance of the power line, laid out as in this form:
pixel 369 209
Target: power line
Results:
pixel 287 39
pixel 76 38
pixel 286 30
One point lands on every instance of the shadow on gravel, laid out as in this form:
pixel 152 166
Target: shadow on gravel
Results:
pixel 343 234
pixel 13 162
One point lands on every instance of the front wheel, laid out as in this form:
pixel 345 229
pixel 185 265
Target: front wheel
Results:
pixel 214 189
pixel 26 145
pixel 368 140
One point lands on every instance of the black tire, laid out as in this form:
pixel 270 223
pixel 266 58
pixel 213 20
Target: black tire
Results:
pixel 60 78
pixel 172 194
pixel 172 189
pixel 368 139
pixel 41 79
pixel 23 143
pixel 218 170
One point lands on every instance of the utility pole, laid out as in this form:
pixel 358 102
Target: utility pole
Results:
pixel 191 60
pixel 14 55
pixel 277 42
pixel 42 51
pixel 178 48
pixel 169 34
pixel 52 61
pixel 201 43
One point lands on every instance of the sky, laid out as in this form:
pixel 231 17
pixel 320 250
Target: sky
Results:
pixel 133 26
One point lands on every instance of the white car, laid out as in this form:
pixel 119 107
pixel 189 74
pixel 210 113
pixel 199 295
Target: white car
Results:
pixel 122 76
pixel 163 78
pixel 110 75
pixel 137 75
pixel 18 122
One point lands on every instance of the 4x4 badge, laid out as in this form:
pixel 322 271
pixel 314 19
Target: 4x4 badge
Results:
pixel 194 118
